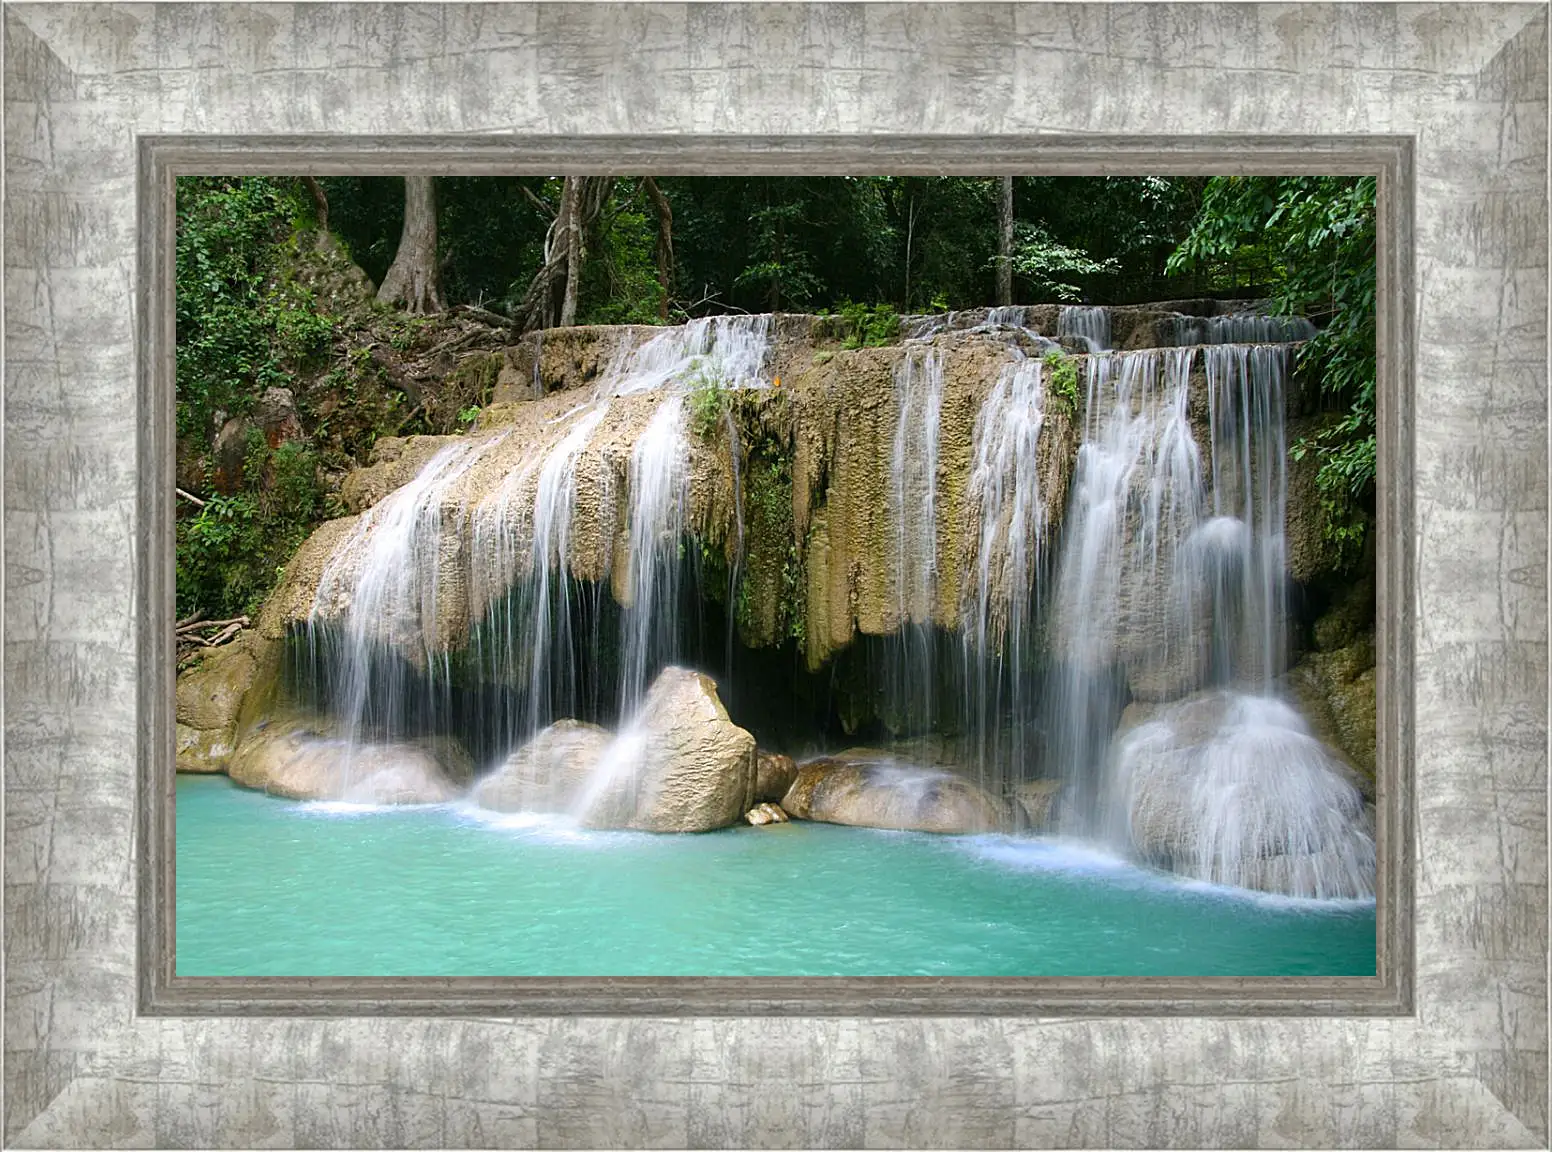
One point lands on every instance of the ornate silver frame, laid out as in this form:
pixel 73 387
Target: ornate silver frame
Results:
pixel 1448 1045
pixel 162 991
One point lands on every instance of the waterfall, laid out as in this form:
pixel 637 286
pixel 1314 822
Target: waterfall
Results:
pixel 379 593
pixel 914 516
pixel 380 661
pixel 1172 593
pixel 1007 516
pixel 1091 325
pixel 1135 493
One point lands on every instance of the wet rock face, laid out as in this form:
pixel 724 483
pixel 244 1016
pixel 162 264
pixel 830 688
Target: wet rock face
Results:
pixel 872 790
pixel 680 766
pixel 1237 790
pixel 548 773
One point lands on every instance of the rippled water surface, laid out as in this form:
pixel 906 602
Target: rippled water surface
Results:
pixel 267 887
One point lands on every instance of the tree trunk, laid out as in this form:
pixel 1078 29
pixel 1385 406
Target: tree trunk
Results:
pixel 413 280
pixel 571 244
pixel 665 245
pixel 320 201
pixel 1005 243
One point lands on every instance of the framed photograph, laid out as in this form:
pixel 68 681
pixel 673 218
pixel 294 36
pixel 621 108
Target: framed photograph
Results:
pixel 572 566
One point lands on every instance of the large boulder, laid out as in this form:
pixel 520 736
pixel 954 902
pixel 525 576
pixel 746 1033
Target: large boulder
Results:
pixel 680 765
pixel 1235 789
pixel 774 774
pixel 293 759
pixel 209 700
pixel 203 750
pixel 209 695
pixel 871 790
pixel 547 774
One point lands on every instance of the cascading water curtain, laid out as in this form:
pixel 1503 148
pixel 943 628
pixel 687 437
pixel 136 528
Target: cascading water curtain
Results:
pixel 1247 405
pixel 374 625
pixel 914 517
pixel 1008 522
pixel 650 628
pixel 1135 497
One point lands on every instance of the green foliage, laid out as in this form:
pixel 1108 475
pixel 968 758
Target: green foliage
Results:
pixel 1053 269
pixel 869 327
pixel 1317 237
pixel 706 400
pixel 620 282
pixel 1062 378
pixel 231 553
pixel 241 328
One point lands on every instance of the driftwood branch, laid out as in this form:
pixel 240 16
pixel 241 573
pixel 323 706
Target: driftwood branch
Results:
pixel 192 499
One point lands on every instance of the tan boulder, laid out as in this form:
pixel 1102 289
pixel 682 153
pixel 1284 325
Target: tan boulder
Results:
pixel 209 696
pixel 681 765
pixel 869 790
pixel 203 750
pixel 1038 802
pixel 763 814
pixel 548 773
pixel 291 758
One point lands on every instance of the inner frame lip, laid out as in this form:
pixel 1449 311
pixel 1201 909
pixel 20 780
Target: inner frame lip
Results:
pixel 162 158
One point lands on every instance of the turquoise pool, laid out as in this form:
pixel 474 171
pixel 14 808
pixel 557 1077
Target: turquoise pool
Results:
pixel 269 887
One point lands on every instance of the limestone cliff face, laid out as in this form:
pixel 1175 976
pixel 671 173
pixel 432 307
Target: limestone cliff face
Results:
pixel 791 486
pixel 811 520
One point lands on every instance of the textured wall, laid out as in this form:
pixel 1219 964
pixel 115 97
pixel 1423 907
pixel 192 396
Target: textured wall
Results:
pixel 1469 80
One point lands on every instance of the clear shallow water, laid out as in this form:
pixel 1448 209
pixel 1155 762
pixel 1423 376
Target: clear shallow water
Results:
pixel 268 887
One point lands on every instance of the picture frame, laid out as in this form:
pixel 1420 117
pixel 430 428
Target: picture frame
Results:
pixel 105 105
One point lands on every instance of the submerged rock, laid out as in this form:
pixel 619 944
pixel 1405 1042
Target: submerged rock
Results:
pixel 763 814
pixel 870 790
pixel 548 773
pixel 1038 802
pixel 291 759
pixel 1236 790
pixel 681 765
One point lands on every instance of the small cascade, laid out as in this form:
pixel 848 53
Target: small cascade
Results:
pixel 1091 325
pixel 1007 316
pixel 1233 789
pixel 1008 518
pixel 378 596
pixel 1246 405
pixel 656 519
pixel 1241 328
